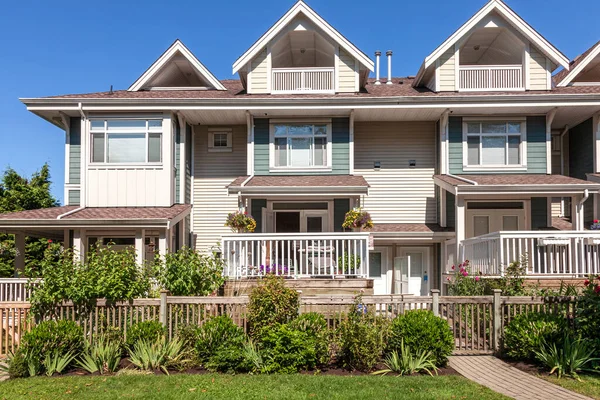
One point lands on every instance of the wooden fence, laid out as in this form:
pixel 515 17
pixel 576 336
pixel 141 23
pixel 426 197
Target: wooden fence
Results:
pixel 477 323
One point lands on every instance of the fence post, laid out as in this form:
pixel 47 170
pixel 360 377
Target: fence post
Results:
pixel 162 314
pixel 435 302
pixel 497 333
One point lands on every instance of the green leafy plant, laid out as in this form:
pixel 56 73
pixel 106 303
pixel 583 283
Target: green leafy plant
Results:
pixel 34 366
pixel 271 303
pixel 587 317
pixel 315 325
pixel 524 335
pixel 409 362
pixel 215 333
pixel 158 355
pixel 150 331
pixel 240 222
pixel 288 350
pixel 103 356
pixel 55 363
pixel 348 263
pixel 253 356
pixel 16 365
pixel 463 283
pixel 569 358
pixel 357 218
pixel 229 358
pixel 189 273
pixel 422 332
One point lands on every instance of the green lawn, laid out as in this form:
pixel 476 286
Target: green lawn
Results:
pixel 245 387
pixel 589 385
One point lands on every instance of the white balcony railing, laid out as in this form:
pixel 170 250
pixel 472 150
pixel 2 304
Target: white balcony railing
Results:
pixel 549 253
pixel 296 255
pixel 15 289
pixel 302 80
pixel 491 77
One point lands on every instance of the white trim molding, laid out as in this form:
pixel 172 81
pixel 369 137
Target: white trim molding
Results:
pixel 567 80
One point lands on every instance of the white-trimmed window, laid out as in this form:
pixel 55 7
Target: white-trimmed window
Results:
pixel 490 144
pixel 219 140
pixel 126 141
pixel 300 145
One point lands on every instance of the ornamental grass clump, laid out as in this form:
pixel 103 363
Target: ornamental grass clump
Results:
pixel 357 218
pixel 240 222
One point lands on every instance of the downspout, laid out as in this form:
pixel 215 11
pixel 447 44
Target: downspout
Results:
pixel 586 195
pixel 562 165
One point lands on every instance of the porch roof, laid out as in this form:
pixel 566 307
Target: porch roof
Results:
pixel 412 231
pixel 71 216
pixel 299 185
pixel 514 184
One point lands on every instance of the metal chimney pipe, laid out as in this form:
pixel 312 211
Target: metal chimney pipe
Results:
pixel 389 57
pixel 377 55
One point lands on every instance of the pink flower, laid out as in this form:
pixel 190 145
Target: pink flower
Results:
pixel 465 273
pixel 477 279
pixel 448 279
pixel 452 268
pixel 49 240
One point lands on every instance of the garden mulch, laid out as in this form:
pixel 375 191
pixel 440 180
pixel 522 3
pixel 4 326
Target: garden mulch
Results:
pixel 505 379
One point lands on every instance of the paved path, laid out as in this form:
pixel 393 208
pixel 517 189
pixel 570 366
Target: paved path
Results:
pixel 502 378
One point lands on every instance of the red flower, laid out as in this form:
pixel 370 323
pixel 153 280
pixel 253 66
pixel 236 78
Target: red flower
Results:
pixel 586 282
pixel 596 221
pixel 49 240
pixel 597 289
pixel 453 267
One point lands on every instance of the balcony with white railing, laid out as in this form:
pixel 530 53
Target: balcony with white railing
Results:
pixel 548 253
pixel 490 77
pixel 296 255
pixel 302 80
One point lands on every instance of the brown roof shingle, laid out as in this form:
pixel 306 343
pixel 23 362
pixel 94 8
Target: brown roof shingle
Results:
pixel 301 181
pixel 573 64
pixel 99 213
pixel 410 228
pixel 513 179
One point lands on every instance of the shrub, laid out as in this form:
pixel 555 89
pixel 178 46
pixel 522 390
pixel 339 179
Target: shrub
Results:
pixel 567 356
pixel 587 318
pixel 421 331
pixel 409 362
pixel 271 303
pixel 189 273
pixel 150 331
pixel 157 355
pixel 463 283
pixel 216 333
pixel 524 335
pixel 315 325
pixel 361 338
pixel 17 365
pixel 50 338
pixel 188 334
pixel 229 358
pixel 288 350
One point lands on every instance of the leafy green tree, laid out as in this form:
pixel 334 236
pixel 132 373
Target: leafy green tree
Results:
pixel 18 193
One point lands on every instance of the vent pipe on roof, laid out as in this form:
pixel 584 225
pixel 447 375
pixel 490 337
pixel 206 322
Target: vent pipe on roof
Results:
pixel 389 57
pixel 377 55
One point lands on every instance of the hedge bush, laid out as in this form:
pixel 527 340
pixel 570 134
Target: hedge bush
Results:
pixel 218 333
pixel 149 331
pixel 421 331
pixel 271 303
pixel 524 335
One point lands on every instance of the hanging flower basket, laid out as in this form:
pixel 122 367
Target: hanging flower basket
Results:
pixel 358 219
pixel 240 222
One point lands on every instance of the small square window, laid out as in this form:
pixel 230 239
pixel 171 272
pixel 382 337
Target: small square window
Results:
pixel 219 141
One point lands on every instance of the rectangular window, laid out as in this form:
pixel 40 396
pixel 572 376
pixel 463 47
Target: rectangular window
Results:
pixel 122 141
pixel 219 140
pixel 494 143
pixel 300 145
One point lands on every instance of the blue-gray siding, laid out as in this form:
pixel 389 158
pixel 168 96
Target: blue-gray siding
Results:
pixel 450 210
pixel 539 213
pixel 340 208
pixel 340 138
pixel 74 198
pixel 75 151
pixel 536 146
pixel 188 164
pixel 177 162
pixel 581 161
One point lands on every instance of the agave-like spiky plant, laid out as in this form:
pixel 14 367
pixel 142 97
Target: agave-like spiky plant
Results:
pixel 570 357
pixel 56 362
pixel 156 355
pixel 408 363
pixel 103 356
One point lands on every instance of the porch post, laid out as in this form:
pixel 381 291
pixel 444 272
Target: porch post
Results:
pixel 443 212
pixel 577 213
pixel 20 253
pixel 460 226
pixel 140 252
pixel 79 239
pixel 163 244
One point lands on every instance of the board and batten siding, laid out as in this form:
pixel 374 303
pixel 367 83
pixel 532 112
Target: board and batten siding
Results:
pixel 398 193
pixel 581 141
pixel 257 78
pixel 340 138
pixel 347 73
pixel 447 71
pixel 213 171
pixel 538 74
pixel 75 151
pixel 536 147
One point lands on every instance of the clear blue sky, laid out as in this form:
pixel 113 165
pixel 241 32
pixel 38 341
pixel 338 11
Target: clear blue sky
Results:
pixel 58 47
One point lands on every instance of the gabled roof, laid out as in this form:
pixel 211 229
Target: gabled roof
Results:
pixel 301 8
pixel 510 16
pixel 566 76
pixel 176 47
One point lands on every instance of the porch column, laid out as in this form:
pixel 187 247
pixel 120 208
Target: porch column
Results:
pixel 79 247
pixel 163 242
pixel 577 213
pixel 443 212
pixel 20 253
pixel 140 252
pixel 459 226
pixel 181 233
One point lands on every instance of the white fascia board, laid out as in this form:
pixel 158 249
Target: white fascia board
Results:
pixel 178 46
pixel 515 20
pixel 301 7
pixel 580 67
pixel 297 190
pixel 524 189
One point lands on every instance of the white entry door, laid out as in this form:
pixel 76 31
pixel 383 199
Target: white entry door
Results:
pixel 380 270
pixel 419 271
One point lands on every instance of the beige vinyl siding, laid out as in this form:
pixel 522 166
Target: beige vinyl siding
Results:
pixel 347 73
pixel 447 71
pixel 212 173
pixel 257 79
pixel 538 75
pixel 398 194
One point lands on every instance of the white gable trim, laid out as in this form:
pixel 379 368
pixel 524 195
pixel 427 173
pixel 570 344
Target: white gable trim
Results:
pixel 577 70
pixel 178 46
pixel 515 20
pixel 301 7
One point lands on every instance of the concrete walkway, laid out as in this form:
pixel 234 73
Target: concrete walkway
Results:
pixel 502 378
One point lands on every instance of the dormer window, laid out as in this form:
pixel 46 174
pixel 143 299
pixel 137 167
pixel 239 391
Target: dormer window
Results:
pixel 300 145
pixel 126 141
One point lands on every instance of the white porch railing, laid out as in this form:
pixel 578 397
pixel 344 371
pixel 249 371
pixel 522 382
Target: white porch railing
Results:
pixel 491 77
pixel 296 255
pixel 302 80
pixel 14 289
pixel 549 253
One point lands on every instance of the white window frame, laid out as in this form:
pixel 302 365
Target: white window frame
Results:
pixel 147 131
pixel 211 140
pixel 487 167
pixel 319 168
